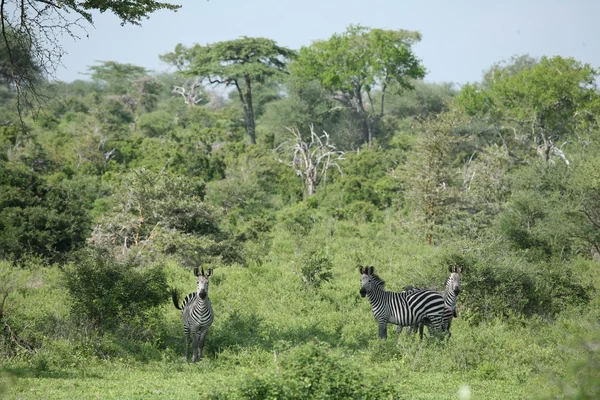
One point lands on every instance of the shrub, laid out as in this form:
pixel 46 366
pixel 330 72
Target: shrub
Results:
pixel 522 290
pixel 298 219
pixel 313 371
pixel 316 269
pixel 108 292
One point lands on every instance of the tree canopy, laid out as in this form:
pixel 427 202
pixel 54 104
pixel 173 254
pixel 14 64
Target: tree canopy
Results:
pixel 359 62
pixel 540 107
pixel 239 63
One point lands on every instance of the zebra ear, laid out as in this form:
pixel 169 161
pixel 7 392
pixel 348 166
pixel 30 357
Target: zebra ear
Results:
pixel 196 271
pixel 451 268
pixel 372 270
pixel 209 273
pixel 361 270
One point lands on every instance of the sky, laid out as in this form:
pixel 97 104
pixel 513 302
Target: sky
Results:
pixel 460 38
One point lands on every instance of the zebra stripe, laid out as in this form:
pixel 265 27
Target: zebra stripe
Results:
pixel 403 309
pixel 452 289
pixel 197 314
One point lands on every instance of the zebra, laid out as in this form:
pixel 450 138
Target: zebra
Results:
pixel 405 309
pixel 197 314
pixel 452 288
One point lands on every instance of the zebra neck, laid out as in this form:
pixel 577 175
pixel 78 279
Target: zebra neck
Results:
pixel 375 294
pixel 449 298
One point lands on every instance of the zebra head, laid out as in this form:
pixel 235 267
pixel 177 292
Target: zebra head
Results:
pixel 454 283
pixel 202 289
pixel 366 279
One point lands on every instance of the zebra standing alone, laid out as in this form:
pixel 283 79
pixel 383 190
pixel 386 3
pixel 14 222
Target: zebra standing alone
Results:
pixel 197 314
pixel 403 309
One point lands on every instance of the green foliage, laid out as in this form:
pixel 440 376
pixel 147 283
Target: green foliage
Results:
pixel 545 103
pixel 316 372
pixel 315 268
pixel 41 218
pixel 240 63
pixel 165 214
pixel 425 99
pixel 429 172
pixel 108 292
pixel 298 219
pixel 116 77
pixel 156 124
pixel 358 61
pixel 506 287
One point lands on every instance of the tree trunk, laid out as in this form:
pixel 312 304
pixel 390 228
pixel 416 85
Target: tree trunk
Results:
pixel 246 101
pixel 250 124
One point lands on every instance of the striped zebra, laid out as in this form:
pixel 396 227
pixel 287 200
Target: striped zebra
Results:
pixel 408 309
pixel 197 314
pixel 451 291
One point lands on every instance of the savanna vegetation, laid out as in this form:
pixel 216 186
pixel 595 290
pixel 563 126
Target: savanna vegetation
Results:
pixel 316 162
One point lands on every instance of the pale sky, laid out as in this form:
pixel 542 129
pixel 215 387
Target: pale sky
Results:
pixel 461 38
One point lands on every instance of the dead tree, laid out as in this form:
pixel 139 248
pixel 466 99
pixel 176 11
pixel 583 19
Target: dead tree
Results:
pixel 192 95
pixel 310 159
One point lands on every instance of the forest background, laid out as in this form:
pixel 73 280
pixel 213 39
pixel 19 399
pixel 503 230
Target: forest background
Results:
pixel 312 163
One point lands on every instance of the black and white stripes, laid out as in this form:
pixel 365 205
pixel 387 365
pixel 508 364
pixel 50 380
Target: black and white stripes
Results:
pixel 197 314
pixel 402 309
pixel 451 291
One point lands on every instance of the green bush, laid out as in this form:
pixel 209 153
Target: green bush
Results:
pixel 316 269
pixel 314 371
pixel 40 218
pixel 298 219
pixel 108 292
pixel 521 290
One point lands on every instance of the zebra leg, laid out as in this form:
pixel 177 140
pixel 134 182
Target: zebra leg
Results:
pixel 201 337
pixel 187 346
pixel 399 329
pixel 421 328
pixel 195 346
pixel 383 330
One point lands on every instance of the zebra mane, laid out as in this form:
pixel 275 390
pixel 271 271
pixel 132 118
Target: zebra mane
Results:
pixel 378 281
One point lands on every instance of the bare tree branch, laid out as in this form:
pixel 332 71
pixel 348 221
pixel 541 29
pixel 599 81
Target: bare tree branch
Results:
pixel 310 160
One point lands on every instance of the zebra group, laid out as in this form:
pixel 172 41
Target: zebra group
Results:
pixel 413 307
pixel 197 314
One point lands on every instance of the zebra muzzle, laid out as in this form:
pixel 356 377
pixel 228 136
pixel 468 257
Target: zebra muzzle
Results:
pixel 363 293
pixel 202 294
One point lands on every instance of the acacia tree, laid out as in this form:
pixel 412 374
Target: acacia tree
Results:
pixel 129 84
pixel 311 159
pixel 30 32
pixel 358 64
pixel 239 63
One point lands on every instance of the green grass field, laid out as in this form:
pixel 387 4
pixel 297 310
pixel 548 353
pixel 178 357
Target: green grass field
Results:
pixel 275 338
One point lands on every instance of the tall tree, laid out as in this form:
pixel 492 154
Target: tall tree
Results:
pixel 30 32
pixel 239 63
pixel 359 63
